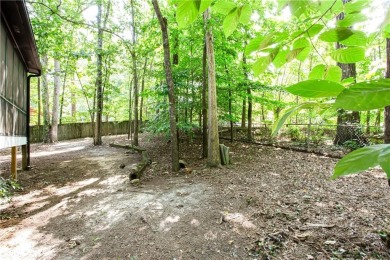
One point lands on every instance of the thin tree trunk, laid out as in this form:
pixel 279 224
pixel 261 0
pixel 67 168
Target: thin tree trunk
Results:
pixel 387 109
pixel 243 113
pixel 213 155
pixel 56 103
pixel 249 93
pixel 39 101
pixel 45 101
pixel 231 116
pixel 204 102
pixel 99 81
pixel 134 59
pixel 368 118
pixel 142 90
pixel 171 94
pixel 63 91
pixel 346 122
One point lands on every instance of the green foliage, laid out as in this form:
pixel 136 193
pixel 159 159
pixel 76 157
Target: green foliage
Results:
pixel 7 187
pixel 321 71
pixel 363 159
pixel 352 144
pixel 365 96
pixel 337 34
pixel 288 112
pixel 316 88
pixel 294 133
pixel 349 54
pixel 188 11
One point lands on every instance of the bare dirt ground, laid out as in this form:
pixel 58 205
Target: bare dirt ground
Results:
pixel 77 203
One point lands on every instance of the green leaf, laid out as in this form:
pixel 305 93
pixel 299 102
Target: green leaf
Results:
pixel 261 65
pixel 303 45
pixel 245 13
pixel 314 30
pixel 187 12
pixel 288 112
pixel 293 54
pixel 280 58
pixel 316 88
pixel 298 7
pixel 204 4
pixel 230 22
pixel 358 38
pixel 253 45
pixel 349 54
pixel 359 160
pixel 365 96
pixel 355 6
pixel 224 7
pixel 317 72
pixel 351 19
pixel 333 73
pixel 261 42
pixel 336 34
pixel 324 6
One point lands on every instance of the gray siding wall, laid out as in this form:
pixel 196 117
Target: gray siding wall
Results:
pixel 13 89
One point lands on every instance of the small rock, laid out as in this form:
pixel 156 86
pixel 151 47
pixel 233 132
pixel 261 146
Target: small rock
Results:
pixel 135 181
pixel 122 166
pixel 310 257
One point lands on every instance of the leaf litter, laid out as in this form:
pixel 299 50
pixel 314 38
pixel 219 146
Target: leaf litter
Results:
pixel 269 204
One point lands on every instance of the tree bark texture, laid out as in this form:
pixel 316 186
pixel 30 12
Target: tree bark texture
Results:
pixel 347 122
pixel 213 155
pixel 45 101
pixel 135 76
pixel 99 79
pixel 142 90
pixel 204 102
pixel 171 94
pixel 249 93
pixel 56 103
pixel 387 109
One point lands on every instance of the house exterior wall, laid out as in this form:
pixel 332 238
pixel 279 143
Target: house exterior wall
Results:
pixel 13 94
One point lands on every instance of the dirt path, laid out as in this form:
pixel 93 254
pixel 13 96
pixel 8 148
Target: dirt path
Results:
pixel 270 204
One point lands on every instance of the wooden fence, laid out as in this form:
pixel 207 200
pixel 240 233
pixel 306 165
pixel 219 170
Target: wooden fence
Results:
pixel 79 130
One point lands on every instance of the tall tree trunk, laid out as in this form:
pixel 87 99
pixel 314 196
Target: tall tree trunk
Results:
pixel 243 113
pixel 347 128
pixel 204 101
pixel 142 90
pixel 135 76
pixel 99 78
pixel 368 119
pixel 171 94
pixel 63 91
pixel 99 67
pixel 56 103
pixel 39 101
pixel 249 93
pixel 45 101
pixel 231 116
pixel 213 155
pixel 387 109
pixel 73 101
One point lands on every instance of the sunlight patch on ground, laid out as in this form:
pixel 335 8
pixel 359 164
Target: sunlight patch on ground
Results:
pixel 69 188
pixel 238 218
pixel 28 244
pixel 59 151
pixel 165 225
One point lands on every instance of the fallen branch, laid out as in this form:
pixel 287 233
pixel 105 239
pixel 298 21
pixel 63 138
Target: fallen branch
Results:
pixel 138 169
